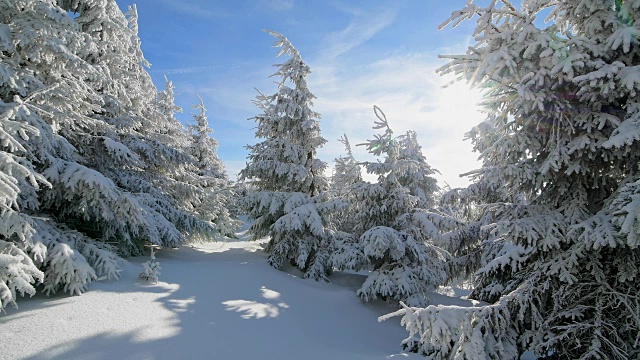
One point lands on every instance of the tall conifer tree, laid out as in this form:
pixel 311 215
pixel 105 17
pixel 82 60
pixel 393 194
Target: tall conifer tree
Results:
pixel 559 186
pixel 210 176
pixel 288 176
pixel 86 173
pixel 346 174
pixel 391 233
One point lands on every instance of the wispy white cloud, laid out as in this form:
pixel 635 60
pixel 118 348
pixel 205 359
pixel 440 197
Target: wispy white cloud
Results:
pixel 278 5
pixel 199 69
pixel 409 91
pixel 193 8
pixel 363 26
pixel 403 84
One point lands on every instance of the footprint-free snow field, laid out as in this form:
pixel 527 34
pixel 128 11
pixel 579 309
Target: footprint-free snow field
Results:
pixel 217 301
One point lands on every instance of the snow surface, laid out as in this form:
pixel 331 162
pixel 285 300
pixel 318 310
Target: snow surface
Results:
pixel 216 301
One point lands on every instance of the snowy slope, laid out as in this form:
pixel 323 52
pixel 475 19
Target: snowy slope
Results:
pixel 219 301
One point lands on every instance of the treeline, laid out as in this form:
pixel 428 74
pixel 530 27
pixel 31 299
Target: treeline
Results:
pixel 95 165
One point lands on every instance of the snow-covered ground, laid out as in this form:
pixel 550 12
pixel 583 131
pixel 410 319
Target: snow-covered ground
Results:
pixel 216 301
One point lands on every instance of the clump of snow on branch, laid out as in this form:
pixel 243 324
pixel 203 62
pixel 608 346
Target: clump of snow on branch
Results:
pixel 17 274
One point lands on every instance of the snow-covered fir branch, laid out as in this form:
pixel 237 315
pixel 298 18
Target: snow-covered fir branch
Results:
pixel 553 233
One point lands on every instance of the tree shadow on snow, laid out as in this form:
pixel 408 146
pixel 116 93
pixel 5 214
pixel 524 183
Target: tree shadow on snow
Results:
pixel 231 304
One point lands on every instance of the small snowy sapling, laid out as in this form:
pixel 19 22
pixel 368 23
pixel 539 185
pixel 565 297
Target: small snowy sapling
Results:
pixel 151 269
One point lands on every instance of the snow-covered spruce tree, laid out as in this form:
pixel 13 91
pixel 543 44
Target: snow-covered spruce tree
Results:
pixel 217 190
pixel 288 204
pixel 142 119
pixel 204 147
pixel 161 180
pixel 43 90
pixel 391 235
pixel 463 227
pixel 239 191
pixel 172 131
pixel 67 134
pixel 560 145
pixel 418 176
pixel 347 173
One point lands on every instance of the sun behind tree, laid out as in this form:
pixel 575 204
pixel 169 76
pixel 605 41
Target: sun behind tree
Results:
pixel 558 235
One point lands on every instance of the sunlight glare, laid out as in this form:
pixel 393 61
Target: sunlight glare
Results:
pixel 456 112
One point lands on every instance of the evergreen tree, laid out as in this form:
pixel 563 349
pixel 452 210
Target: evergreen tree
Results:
pixel 290 180
pixel 347 173
pixel 127 148
pixel 286 159
pixel 205 147
pixel 172 131
pixel 85 174
pixel 463 228
pixel 144 122
pixel 558 187
pixel 211 176
pixel 43 96
pixel 391 234
pixel 347 170
pixel 418 174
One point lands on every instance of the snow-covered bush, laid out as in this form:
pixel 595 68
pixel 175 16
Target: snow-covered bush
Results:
pixel 391 234
pixel 288 178
pixel 558 236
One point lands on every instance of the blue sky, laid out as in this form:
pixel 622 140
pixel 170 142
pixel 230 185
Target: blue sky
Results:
pixel 361 53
